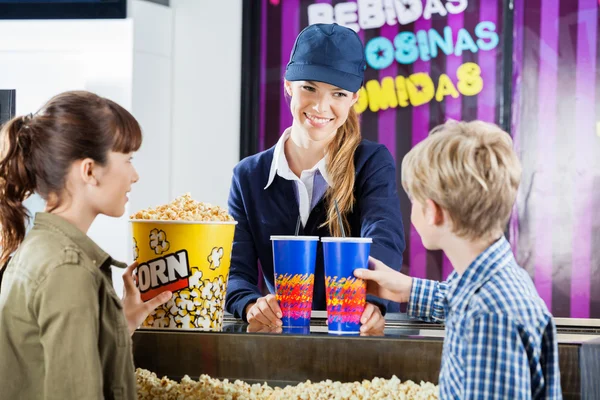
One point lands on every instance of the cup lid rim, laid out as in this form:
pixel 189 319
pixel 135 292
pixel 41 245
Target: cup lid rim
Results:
pixel 347 239
pixel 294 237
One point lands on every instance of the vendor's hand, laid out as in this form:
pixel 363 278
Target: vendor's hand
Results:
pixel 372 334
pixel 134 308
pixel 384 282
pixel 372 321
pixel 265 311
pixel 260 328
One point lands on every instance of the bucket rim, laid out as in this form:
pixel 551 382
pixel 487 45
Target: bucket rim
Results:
pixel 158 221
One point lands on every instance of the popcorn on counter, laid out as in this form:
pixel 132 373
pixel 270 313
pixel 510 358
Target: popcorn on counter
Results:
pixel 149 386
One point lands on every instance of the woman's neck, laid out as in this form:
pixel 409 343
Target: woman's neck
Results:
pixel 302 153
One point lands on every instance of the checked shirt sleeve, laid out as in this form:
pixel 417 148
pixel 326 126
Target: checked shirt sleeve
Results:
pixel 427 300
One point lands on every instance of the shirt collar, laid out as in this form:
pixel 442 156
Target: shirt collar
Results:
pixel 484 267
pixel 280 166
pixel 45 220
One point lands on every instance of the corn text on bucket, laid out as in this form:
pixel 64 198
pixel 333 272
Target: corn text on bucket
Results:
pixel 184 247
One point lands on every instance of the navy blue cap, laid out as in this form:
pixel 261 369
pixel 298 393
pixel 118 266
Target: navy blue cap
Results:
pixel 328 53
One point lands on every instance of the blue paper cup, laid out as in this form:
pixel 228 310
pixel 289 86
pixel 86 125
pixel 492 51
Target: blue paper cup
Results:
pixel 346 295
pixel 294 265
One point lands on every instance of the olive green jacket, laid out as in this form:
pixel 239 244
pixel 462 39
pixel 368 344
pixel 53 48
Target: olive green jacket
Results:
pixel 63 334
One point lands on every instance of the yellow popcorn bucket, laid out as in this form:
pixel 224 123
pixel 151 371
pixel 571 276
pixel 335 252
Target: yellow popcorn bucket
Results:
pixel 189 258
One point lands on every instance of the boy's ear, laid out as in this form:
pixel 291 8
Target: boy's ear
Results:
pixel 434 213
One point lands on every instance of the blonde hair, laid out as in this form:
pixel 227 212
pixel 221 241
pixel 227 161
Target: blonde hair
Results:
pixel 469 169
pixel 340 167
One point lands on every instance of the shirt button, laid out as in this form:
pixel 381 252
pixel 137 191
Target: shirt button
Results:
pixel 317 209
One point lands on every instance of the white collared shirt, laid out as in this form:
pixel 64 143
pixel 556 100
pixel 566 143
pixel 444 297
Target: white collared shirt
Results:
pixel 309 188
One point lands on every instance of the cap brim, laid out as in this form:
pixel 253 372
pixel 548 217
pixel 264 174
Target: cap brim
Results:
pixel 318 73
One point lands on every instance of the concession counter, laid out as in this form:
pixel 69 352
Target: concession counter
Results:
pixel 409 349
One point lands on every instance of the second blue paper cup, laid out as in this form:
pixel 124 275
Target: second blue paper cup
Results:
pixel 346 295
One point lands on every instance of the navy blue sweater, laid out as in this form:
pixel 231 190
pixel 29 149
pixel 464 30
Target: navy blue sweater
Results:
pixel 261 213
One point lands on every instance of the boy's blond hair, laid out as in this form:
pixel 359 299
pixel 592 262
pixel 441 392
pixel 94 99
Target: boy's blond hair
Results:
pixel 469 169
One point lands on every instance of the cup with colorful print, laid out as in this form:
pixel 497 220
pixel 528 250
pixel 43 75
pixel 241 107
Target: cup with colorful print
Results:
pixel 346 295
pixel 294 260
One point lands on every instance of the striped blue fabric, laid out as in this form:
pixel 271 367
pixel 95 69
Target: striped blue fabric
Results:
pixel 500 338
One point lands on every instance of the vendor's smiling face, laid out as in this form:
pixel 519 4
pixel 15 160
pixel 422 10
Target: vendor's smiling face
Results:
pixel 318 108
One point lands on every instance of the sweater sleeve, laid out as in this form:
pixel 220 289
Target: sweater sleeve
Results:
pixel 242 288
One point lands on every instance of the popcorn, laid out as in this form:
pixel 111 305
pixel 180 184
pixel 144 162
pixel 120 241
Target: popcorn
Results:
pixel 200 306
pixel 184 321
pixel 158 241
pixel 184 302
pixel 136 250
pixel 149 386
pixel 184 208
pixel 215 257
pixel 158 319
pixel 196 278
pixel 208 292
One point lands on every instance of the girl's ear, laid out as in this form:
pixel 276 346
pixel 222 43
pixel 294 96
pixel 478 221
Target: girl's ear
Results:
pixel 86 171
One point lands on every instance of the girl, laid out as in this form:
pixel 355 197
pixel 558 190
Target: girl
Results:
pixel 64 332
pixel 319 159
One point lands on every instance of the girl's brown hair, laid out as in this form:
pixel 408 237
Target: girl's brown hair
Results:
pixel 340 167
pixel 36 152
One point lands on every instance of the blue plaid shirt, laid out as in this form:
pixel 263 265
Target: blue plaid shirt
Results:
pixel 500 338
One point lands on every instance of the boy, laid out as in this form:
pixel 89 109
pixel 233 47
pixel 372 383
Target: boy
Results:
pixel 500 338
